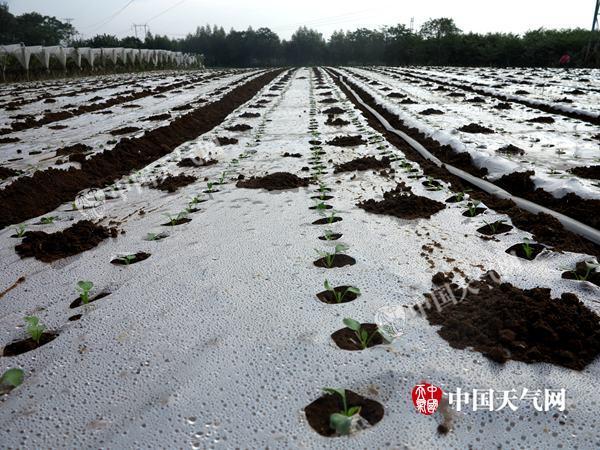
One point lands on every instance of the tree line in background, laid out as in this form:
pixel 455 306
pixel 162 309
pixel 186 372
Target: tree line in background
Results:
pixel 437 42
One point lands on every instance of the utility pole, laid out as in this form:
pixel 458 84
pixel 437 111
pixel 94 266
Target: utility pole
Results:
pixel 412 24
pixel 593 48
pixel 69 20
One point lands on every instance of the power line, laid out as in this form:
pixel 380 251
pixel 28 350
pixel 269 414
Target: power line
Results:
pixel 109 18
pixel 166 10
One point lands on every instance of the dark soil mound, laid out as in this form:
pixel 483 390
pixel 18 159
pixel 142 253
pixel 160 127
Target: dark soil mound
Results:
pixel 328 101
pixel 541 119
pixel 182 108
pixel 5 172
pixel 431 112
pixel 504 322
pixel 510 150
pixel 475 128
pixel 172 183
pixel 292 155
pixel 334 110
pixel 441 278
pixel 249 115
pixel 77 157
pixel 336 122
pixel 319 411
pixel 401 202
pixel 73 149
pixel 517 183
pixel 157 117
pixel 474 100
pixel 78 238
pixel 396 95
pixel 226 141
pixel 347 141
pixel 239 127
pixel 196 162
pixel 124 130
pixel 502 105
pixel 274 182
pixel 407 101
pixel 364 163
pixel 9 140
pixel 591 172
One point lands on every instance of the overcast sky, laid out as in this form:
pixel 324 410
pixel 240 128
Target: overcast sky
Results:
pixel 178 17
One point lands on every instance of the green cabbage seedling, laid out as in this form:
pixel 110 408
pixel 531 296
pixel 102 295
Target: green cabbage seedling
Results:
pixel 34 329
pixel 329 257
pixel 20 230
pixel 11 379
pixel 527 249
pixel 339 296
pixel 127 259
pixel 342 421
pixel 47 220
pixel 363 335
pixel 84 288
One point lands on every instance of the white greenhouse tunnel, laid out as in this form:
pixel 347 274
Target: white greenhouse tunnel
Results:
pixel 93 55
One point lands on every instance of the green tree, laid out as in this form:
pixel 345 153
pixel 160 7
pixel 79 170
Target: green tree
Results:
pixel 439 28
pixel 306 47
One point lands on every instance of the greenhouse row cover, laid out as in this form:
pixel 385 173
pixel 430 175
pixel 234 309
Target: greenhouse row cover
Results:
pixel 92 55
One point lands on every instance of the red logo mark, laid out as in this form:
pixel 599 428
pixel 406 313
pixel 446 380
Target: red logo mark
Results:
pixel 426 398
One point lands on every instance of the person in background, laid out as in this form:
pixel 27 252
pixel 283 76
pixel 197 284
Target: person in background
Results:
pixel 565 60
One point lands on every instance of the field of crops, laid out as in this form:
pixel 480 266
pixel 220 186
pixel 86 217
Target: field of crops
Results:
pixel 267 259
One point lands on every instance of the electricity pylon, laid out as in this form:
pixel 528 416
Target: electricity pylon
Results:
pixel 145 28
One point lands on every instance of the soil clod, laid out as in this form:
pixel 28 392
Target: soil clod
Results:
pixel 78 238
pixel 274 182
pixel 401 202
